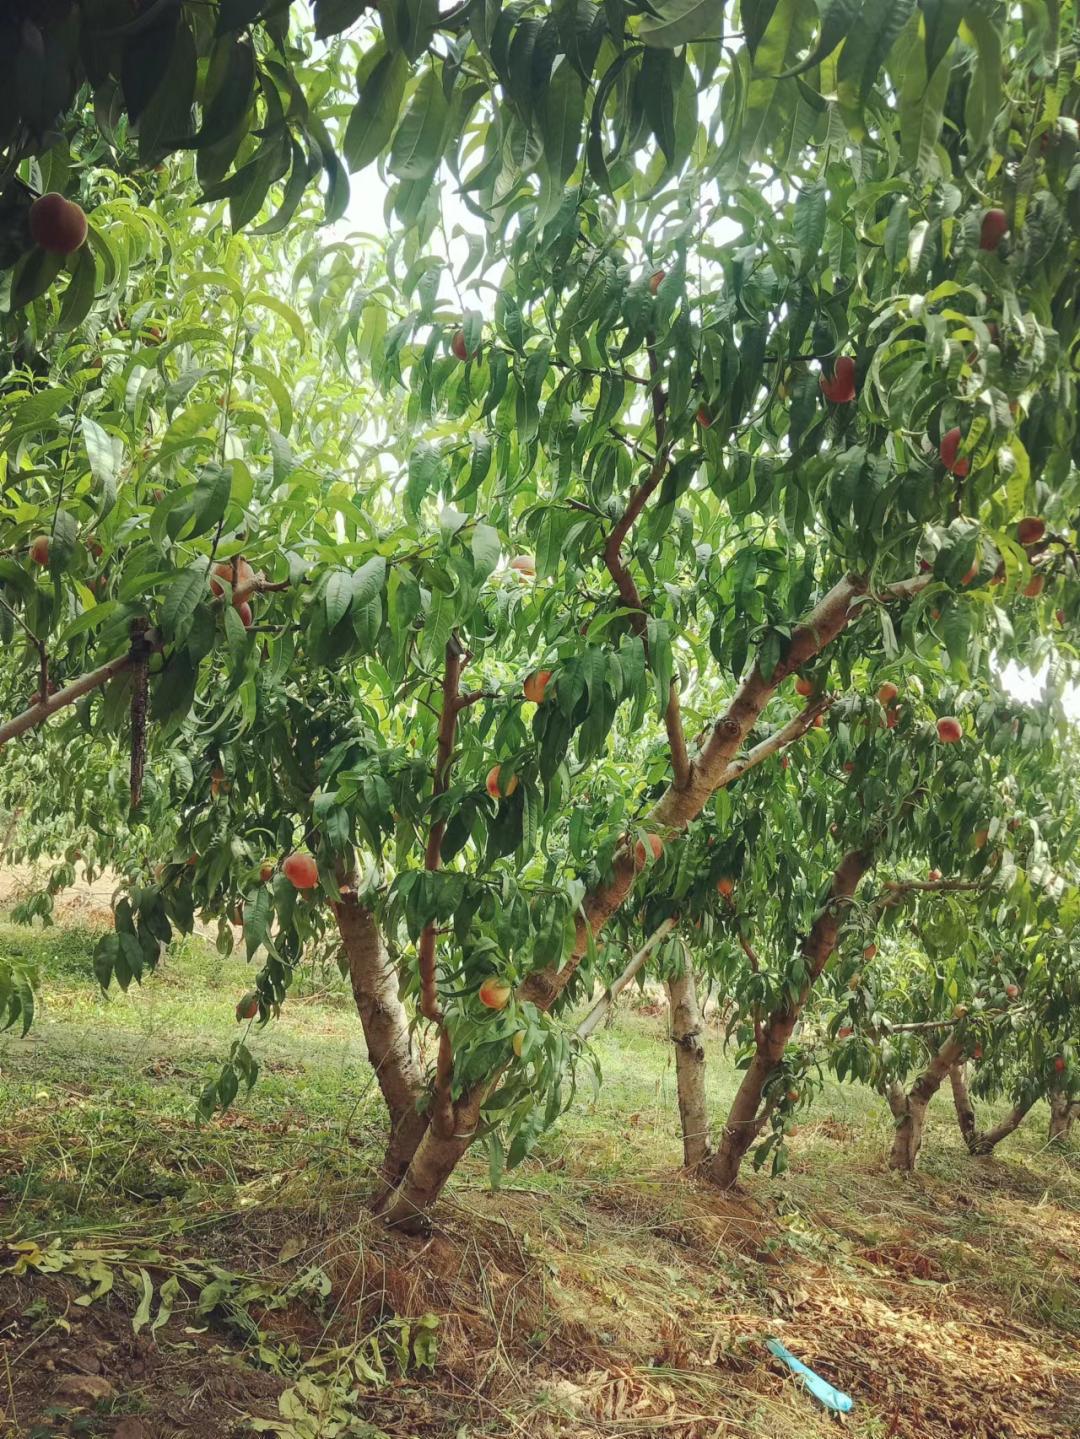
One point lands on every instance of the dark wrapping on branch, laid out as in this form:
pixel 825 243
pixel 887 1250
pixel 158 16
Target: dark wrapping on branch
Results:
pixel 140 684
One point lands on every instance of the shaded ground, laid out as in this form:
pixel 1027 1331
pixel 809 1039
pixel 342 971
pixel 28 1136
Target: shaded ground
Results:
pixel 236 1284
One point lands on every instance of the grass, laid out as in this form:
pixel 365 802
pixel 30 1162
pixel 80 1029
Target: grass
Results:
pixel 241 1286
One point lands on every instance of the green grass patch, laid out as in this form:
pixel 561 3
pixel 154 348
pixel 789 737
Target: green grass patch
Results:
pixel 597 1290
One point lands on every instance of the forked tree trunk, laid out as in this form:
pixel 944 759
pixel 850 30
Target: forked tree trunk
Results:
pixel 386 1030
pixel 714 766
pixel 909 1110
pixel 749 1109
pixel 965 1110
pixel 1063 1111
pixel 434 1160
pixel 984 1141
pixel 689 1068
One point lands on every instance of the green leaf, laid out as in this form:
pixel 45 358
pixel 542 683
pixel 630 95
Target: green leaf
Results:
pixel 425 472
pixel 756 17
pixel 337 596
pixel 105 453
pixel 582 25
pixel 286 312
pixel 229 94
pixel 836 20
pixel 146 56
pixel 258 909
pixel 381 83
pixel 867 47
pixel 921 103
pixel 673 23
pixel 561 114
pixel 420 137
pixel 809 223
pixel 337 181
pixel 166 119
pixel 80 291
pixel 33 275
pixel 941 20
pixel 182 598
pixel 236 14
pixel 334 16
pixel 210 499
pixel 299 175
pixel 368 581
pixel 486 550
pixel 985 87
pixel 594 148
pixel 249 185
pixel 658 92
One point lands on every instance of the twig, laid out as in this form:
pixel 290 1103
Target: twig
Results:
pixel 624 581
pixel 778 740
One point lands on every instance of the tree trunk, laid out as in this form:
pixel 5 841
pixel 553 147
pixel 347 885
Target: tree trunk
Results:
pixel 910 1110
pixel 689 1068
pixel 435 1159
pixel 749 1111
pixel 984 1141
pixel 711 769
pixel 386 1030
pixel 1063 1111
pixel 965 1110
pixel 746 1118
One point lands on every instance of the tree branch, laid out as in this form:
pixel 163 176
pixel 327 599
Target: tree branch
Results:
pixel 677 808
pixel 474 697
pixel 778 740
pixel 600 1009
pixel 624 581
pixel 86 684
pixel 896 891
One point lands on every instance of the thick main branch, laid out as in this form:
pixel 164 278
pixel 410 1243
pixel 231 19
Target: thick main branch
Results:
pixel 711 769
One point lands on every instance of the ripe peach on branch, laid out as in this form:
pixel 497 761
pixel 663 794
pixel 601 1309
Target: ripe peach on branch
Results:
pixel 495 993
pixel 839 387
pixel 493 783
pixel 535 687
pixel 301 870
pixel 57 225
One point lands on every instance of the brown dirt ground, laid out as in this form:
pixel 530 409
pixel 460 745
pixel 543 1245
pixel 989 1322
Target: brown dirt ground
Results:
pixel 640 1311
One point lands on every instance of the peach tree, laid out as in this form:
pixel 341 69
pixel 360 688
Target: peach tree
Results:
pixel 472 580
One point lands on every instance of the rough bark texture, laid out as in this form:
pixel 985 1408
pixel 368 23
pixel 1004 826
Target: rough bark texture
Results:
pixel 689 1068
pixel 983 1141
pixel 749 1112
pixel 965 1110
pixel 910 1112
pixel 386 1030
pixel 432 1163
pixel 1063 1111
pixel 435 1159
